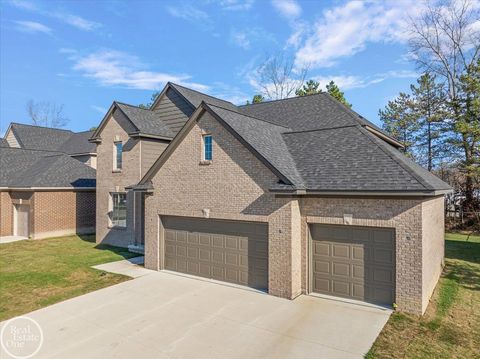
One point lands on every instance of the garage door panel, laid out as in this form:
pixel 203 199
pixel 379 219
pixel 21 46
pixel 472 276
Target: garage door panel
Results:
pixel 192 238
pixel 204 239
pixel 341 269
pixel 353 262
pixel 223 250
pixel 383 256
pixel 340 251
pixel 358 253
pixel 321 249
pixel 204 255
pixel 181 265
pixel 341 288
pixel 322 285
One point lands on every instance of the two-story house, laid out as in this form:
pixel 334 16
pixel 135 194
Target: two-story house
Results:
pixel 292 197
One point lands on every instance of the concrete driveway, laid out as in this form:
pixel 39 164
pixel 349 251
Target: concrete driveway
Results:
pixel 164 315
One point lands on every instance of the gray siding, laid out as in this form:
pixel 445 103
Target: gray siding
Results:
pixel 174 110
pixel 150 151
pixel 12 141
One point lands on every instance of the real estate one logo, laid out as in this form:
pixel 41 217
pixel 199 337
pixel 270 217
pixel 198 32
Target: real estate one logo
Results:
pixel 21 337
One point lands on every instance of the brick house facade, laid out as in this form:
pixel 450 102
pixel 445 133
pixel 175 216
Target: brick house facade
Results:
pixel 52 213
pixel 235 187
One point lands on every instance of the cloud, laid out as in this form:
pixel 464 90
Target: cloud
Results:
pixel 65 17
pixel 345 30
pixel 99 109
pixel 236 5
pixel 287 8
pixel 240 38
pixel 32 27
pixel 349 82
pixel 187 12
pixel 116 68
pixel 76 21
pixel 229 93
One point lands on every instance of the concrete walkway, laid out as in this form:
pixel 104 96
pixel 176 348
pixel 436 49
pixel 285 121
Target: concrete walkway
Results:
pixel 9 239
pixel 164 315
pixel 132 267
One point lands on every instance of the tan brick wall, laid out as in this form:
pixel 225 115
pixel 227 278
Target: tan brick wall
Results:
pixel 404 215
pixel 109 181
pixel 6 214
pixel 433 217
pixel 235 187
pixel 63 212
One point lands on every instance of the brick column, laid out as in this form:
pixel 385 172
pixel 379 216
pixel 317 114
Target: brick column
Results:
pixel 284 241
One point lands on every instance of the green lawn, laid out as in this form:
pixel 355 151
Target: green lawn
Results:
pixel 37 273
pixel 450 327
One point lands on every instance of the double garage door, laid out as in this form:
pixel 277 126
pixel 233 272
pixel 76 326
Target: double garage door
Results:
pixel 230 251
pixel 345 261
pixel 353 262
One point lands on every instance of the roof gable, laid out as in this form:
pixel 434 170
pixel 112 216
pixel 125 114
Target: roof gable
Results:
pixel 33 168
pixel 40 138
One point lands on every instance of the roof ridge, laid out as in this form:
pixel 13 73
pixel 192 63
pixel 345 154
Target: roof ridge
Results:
pixel 201 93
pixel 321 129
pixel 376 141
pixel 37 126
pixel 127 104
pixel 243 114
pixel 283 99
pixel 34 150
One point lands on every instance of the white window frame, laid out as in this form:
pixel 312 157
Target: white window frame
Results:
pixel 111 222
pixel 204 158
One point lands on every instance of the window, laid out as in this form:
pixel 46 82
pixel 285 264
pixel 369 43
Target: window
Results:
pixel 117 160
pixel 118 217
pixel 207 148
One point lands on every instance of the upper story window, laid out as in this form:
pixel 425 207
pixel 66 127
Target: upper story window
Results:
pixel 118 214
pixel 117 156
pixel 207 148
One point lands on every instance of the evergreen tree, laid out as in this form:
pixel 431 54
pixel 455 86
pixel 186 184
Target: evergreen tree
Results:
pixel 258 98
pixel 309 88
pixel 400 121
pixel 428 103
pixel 334 91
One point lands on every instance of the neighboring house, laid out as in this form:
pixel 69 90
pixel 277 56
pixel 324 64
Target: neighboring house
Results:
pixel 293 196
pixel 45 194
pixel 74 144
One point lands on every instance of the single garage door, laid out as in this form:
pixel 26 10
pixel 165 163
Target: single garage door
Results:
pixel 230 251
pixel 353 262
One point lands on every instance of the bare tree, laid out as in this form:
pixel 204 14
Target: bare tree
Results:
pixel 278 78
pixel 445 40
pixel 46 114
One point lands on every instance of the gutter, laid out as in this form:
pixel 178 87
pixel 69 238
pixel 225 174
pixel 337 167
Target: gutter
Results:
pixel 157 137
pixel 302 192
pixel 383 137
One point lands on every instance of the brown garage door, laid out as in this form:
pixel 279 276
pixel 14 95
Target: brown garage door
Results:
pixel 353 262
pixel 230 251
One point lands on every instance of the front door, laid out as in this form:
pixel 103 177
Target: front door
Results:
pixel 22 220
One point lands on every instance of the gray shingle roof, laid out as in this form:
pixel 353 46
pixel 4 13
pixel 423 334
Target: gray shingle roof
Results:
pixel 146 121
pixel 314 143
pixel 313 156
pixel 196 98
pixel 52 139
pixel 33 168
pixel 40 138
pixel 266 139
pixel 306 113
pixel 78 143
